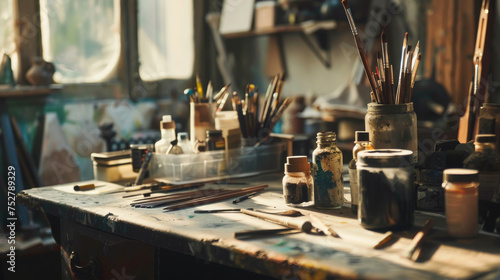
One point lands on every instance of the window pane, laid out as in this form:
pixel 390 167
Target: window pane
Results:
pixel 166 39
pixel 82 39
pixel 7 40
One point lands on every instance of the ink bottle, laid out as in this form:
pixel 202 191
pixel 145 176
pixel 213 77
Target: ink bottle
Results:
pixel 461 201
pixel 327 168
pixel 362 142
pixel 215 141
pixel 298 184
pixel 487 162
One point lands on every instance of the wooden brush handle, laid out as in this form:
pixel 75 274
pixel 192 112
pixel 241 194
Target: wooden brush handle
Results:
pixel 298 223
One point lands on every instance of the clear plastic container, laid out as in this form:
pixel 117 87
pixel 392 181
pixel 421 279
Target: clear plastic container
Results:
pixel 206 166
pixel 461 202
pixel 392 126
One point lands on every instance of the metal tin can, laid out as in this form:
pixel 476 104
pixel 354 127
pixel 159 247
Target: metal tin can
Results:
pixel 386 189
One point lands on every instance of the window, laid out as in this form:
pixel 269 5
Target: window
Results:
pixel 166 39
pixel 81 38
pixel 7 43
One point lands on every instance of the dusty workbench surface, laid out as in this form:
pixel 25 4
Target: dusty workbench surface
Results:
pixel 307 256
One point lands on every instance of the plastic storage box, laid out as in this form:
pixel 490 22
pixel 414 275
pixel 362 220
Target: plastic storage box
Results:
pixel 217 165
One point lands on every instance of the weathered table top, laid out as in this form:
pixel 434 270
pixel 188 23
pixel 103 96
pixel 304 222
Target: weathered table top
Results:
pixel 308 256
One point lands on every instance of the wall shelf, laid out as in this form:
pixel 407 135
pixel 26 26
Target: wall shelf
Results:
pixel 307 27
pixel 27 91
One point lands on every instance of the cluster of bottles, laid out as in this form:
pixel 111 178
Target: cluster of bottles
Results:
pixel 180 144
pixel 324 188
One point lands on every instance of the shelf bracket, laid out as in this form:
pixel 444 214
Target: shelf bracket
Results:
pixel 319 48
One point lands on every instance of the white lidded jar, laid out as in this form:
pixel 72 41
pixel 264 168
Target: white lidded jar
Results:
pixel 167 129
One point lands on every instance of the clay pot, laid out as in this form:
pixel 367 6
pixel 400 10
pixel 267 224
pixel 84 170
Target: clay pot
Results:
pixel 41 72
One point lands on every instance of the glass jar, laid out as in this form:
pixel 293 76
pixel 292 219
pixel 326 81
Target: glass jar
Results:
pixel 487 162
pixel 392 126
pixel 327 166
pixel 461 201
pixel 386 189
pixel 215 141
pixel 298 184
pixel 362 142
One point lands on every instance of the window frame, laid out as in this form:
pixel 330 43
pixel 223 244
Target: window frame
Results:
pixel 128 81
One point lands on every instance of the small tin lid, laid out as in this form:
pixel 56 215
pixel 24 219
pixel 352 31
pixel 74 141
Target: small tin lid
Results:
pixel 362 136
pixel 297 164
pixel 486 138
pixel 385 158
pixel 460 175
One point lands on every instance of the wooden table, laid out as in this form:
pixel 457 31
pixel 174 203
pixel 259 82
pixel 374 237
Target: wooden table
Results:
pixel 116 234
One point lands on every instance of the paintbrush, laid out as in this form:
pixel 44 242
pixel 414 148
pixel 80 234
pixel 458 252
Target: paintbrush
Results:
pixel 221 93
pixel 359 45
pixel 301 224
pixel 319 224
pixel 199 87
pixel 386 238
pixel 214 198
pixel 401 68
pixel 387 69
pixel 418 239
pixel 250 234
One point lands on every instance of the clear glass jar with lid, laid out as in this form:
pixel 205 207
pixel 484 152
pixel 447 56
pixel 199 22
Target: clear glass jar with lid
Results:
pixel 461 202
pixel 298 184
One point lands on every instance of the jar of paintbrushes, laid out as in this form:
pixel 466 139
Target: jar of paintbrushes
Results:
pixel 392 126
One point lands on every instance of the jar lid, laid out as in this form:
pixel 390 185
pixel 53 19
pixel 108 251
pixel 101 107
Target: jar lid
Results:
pixel 297 164
pixel 486 138
pixel 362 136
pixel 460 175
pixel 390 108
pixel 214 133
pixel 385 158
pixel 326 136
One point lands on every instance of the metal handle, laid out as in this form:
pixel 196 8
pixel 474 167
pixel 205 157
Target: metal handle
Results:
pixel 91 271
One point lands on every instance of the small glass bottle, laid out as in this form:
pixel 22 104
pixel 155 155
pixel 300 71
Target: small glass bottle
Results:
pixel 167 129
pixel 362 141
pixel 327 166
pixel 298 184
pixel 487 162
pixel 183 142
pixel 215 141
pixel 461 201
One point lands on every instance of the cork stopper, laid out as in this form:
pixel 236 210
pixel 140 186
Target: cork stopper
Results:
pixel 166 122
pixel 297 164
pixel 460 175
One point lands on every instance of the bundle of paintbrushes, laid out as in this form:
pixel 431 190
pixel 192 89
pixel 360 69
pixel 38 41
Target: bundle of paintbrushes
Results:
pixel 197 94
pixel 258 124
pixel 193 198
pixel 382 81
